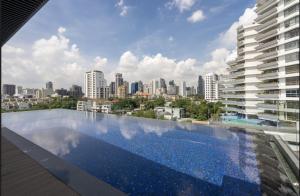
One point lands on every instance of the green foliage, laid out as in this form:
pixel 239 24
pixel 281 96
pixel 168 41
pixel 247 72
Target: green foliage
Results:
pixel 144 113
pixel 124 104
pixel 151 104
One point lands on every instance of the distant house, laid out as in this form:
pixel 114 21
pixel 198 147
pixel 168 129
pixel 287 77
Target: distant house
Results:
pixel 106 108
pixel 170 112
pixel 23 105
pixel 93 106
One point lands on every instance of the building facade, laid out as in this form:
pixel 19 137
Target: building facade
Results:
pixel 76 91
pixel 200 86
pixel 182 89
pixel 8 89
pixel 211 87
pixel 94 82
pixel 119 81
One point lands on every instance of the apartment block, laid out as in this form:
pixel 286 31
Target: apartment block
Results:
pixel 211 87
pixel 264 78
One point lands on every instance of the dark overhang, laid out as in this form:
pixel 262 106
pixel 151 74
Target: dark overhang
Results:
pixel 15 13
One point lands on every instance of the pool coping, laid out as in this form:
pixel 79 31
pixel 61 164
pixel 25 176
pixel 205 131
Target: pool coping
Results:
pixel 80 181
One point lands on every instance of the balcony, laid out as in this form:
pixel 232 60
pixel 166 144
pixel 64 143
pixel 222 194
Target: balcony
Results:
pixel 268 95
pixel 242 88
pixel 236 67
pixel 238 103
pixel 267 25
pixel 273 85
pixel 240 58
pixel 241 51
pixel 267 45
pixel 232 109
pixel 265 116
pixel 266 14
pixel 267 55
pixel 267 35
pixel 237 74
pixel 240 36
pixel 266 66
pixel 266 5
pixel 268 76
pixel 241 43
pixel 238 96
pixel 267 106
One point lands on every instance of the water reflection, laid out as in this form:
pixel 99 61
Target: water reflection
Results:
pixel 59 143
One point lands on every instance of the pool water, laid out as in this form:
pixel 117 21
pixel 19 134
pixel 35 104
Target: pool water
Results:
pixel 145 156
pixel 236 119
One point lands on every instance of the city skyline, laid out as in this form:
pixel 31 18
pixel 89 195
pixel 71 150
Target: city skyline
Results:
pixel 70 56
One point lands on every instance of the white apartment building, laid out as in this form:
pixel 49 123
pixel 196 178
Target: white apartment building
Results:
pixel 182 89
pixel 272 91
pixel 241 85
pixel 211 87
pixel 95 85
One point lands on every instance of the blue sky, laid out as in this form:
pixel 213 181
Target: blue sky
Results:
pixel 147 28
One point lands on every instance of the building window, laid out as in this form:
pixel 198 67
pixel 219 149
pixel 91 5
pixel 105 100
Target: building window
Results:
pixel 291 45
pixel 292 93
pixel 292 81
pixel 286 2
pixel 291 22
pixel 292 57
pixel 291 10
pixel 291 34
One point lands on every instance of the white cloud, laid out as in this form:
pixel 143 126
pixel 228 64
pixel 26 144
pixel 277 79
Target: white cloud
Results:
pixel 171 39
pixel 55 59
pixel 197 16
pixel 151 67
pixel 225 49
pixel 182 5
pixel 124 8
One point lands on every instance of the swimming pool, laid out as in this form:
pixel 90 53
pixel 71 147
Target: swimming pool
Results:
pixel 144 156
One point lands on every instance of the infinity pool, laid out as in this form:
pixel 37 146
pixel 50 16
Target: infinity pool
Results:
pixel 144 156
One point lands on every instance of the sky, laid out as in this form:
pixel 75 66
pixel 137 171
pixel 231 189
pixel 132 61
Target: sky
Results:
pixel 143 39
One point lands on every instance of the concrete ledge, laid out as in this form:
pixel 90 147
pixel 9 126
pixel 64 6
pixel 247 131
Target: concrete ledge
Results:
pixel 80 181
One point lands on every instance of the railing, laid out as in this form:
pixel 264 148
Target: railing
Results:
pixel 265 35
pixel 267 55
pixel 268 44
pixel 240 96
pixel 241 51
pixel 265 5
pixel 268 75
pixel 266 14
pixel 237 74
pixel 267 24
pixel 240 43
pixel 267 106
pixel 268 65
pixel 268 95
pixel 268 85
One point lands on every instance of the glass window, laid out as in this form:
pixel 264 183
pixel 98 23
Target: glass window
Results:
pixel 291 22
pixel 292 93
pixel 291 34
pixel 292 81
pixel 291 45
pixel 291 10
pixel 292 57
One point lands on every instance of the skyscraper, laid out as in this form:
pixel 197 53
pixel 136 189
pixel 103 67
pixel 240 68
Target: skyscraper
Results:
pixel 200 87
pixel 211 87
pixel 49 86
pixel 134 87
pixel 76 91
pixel 94 81
pixel 182 89
pixel 171 88
pixel 8 89
pixel 119 80
pixel 113 88
pixel 140 86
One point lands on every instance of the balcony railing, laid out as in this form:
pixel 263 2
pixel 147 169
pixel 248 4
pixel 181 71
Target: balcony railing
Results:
pixel 267 106
pixel 240 35
pixel 265 5
pixel 237 74
pixel 242 88
pixel 271 33
pixel 266 14
pixel 267 25
pixel 239 96
pixel 240 58
pixel 268 95
pixel 266 66
pixel 266 45
pixel 241 43
pixel 268 85
pixel 232 109
pixel 267 55
pixel 267 76
pixel 241 51
pixel 238 103
pixel 273 117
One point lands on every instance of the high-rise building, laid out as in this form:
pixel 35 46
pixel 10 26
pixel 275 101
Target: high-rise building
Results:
pixel 122 91
pixel 49 85
pixel 182 89
pixel 147 88
pixel 119 80
pixel 19 90
pixel 200 86
pixel 134 87
pixel 94 81
pixel 140 86
pixel 126 84
pixel 270 79
pixel 172 88
pixel 8 89
pixel 76 91
pixel 159 86
pixel 62 92
pixel 112 87
pixel 244 74
pixel 211 87
pixel 104 92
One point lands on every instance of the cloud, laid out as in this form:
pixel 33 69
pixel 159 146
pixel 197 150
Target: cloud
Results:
pixel 225 44
pixel 181 5
pixel 197 16
pixel 151 67
pixel 124 8
pixel 171 39
pixel 48 59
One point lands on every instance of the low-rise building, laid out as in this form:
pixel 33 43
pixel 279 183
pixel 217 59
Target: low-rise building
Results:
pixel 170 113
